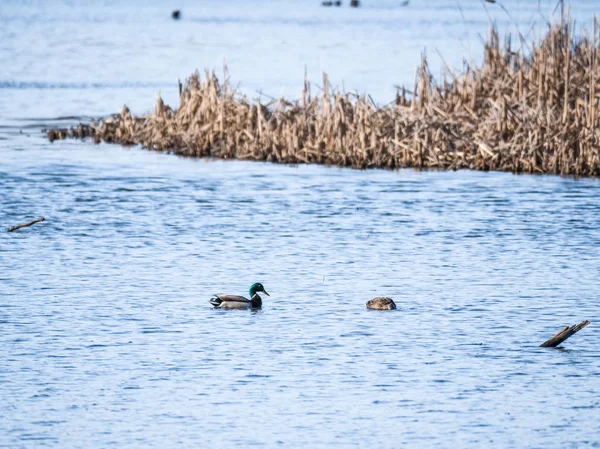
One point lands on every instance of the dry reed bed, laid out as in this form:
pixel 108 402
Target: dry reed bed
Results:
pixel 532 111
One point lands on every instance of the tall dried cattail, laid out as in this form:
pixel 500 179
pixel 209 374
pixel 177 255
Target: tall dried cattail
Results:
pixel 523 113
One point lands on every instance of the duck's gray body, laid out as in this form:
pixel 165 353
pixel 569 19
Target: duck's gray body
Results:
pixel 236 302
pixel 381 303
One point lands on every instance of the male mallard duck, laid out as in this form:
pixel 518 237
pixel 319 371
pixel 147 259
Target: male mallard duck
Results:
pixel 381 304
pixel 239 302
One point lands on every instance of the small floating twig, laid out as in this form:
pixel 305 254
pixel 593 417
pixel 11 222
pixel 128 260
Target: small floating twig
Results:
pixel 24 225
pixel 563 334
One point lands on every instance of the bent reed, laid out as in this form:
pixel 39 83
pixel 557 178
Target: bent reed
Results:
pixel 532 110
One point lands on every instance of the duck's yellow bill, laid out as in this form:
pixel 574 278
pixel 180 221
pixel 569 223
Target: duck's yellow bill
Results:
pixel 266 293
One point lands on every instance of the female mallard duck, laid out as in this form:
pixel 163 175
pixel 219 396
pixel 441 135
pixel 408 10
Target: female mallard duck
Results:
pixel 239 302
pixel 381 304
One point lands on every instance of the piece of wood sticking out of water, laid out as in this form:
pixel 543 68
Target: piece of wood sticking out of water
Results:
pixel 563 334
pixel 24 225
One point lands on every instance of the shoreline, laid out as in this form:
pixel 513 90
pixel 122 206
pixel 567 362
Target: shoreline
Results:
pixel 520 113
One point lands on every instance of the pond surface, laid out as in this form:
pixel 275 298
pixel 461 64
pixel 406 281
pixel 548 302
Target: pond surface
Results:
pixel 106 334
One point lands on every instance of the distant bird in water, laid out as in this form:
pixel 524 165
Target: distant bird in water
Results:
pixel 381 303
pixel 176 14
pixel 328 3
pixel 354 3
pixel 239 302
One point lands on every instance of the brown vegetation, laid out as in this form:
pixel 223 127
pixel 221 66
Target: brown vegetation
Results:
pixel 534 110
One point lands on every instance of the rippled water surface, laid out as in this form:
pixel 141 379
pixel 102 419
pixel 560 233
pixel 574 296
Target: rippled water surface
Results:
pixel 106 335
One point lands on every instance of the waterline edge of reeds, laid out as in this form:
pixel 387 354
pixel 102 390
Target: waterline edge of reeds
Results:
pixel 534 113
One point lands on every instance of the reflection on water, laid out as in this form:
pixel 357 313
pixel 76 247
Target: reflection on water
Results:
pixel 107 336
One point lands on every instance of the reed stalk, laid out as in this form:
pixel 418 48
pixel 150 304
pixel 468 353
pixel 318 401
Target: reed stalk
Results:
pixel 531 112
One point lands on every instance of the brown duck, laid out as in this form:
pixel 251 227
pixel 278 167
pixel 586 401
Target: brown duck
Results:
pixel 381 303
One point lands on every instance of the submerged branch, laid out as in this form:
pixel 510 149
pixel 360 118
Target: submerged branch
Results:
pixel 24 225
pixel 563 334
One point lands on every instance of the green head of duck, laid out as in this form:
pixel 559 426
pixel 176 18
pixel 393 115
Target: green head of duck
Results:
pixel 256 288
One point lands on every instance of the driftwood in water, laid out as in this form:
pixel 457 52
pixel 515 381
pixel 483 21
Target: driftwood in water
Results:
pixel 24 225
pixel 563 334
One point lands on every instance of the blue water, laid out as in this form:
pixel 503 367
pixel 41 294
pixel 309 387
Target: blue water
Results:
pixel 106 335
